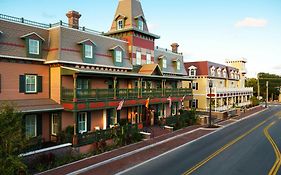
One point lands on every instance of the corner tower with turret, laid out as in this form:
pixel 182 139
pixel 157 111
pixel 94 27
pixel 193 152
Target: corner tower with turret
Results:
pixel 130 24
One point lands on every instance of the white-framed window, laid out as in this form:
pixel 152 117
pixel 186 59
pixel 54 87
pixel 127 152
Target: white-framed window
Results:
pixel 120 24
pixel 140 24
pixel 192 70
pixel 118 56
pixel 82 122
pixel 224 73
pixel 178 65
pixel 33 46
pixel 88 51
pixel 213 72
pixel 30 83
pixel 219 72
pixel 164 63
pixel 55 123
pixel 31 126
pixel 148 58
pixel 138 58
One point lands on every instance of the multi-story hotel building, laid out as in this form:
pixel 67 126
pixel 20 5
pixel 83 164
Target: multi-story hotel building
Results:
pixel 228 82
pixel 62 74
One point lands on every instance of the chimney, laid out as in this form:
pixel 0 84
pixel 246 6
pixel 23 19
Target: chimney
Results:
pixel 175 47
pixel 73 19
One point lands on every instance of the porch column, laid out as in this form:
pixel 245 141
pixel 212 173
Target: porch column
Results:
pixel 115 87
pixel 139 87
pixel 163 87
pixel 75 87
pixel 227 102
pixel 215 103
pixel 221 102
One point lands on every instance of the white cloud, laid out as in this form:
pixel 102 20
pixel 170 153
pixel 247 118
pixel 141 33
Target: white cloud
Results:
pixel 251 22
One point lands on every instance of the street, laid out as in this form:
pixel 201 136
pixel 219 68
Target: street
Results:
pixel 246 147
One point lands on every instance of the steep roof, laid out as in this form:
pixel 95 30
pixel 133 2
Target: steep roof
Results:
pixel 150 69
pixel 130 11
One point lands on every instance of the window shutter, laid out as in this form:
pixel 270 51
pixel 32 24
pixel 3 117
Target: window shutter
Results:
pixel 39 125
pixel 22 84
pixel 118 116
pixel 89 117
pixel 196 86
pixel 39 83
pixel 190 103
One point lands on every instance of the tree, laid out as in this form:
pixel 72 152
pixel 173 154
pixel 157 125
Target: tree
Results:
pixel 252 82
pixel 12 140
pixel 274 84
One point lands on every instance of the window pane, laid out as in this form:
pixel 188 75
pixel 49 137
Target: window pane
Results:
pixel 178 65
pixel 148 58
pixel 138 59
pixel 88 51
pixel 140 25
pixel 119 24
pixel 164 63
pixel 30 126
pixel 118 55
pixel 33 46
pixel 30 83
pixel 82 122
pixel 55 124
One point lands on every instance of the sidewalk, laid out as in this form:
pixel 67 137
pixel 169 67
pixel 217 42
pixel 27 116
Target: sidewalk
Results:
pixel 126 157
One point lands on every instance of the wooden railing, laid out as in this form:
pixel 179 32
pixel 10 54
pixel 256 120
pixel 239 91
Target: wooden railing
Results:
pixel 109 94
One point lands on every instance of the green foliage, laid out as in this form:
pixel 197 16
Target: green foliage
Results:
pixel 185 119
pixel 274 82
pixel 252 82
pixel 255 101
pixel 12 140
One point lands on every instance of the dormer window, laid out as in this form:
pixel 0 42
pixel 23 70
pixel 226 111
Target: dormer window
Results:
pixel 117 53
pixel 87 47
pixel 219 72
pixel 232 74
pixel 88 51
pixel 224 73
pixel 33 44
pixel 164 63
pixel 212 70
pixel 120 24
pixel 140 24
pixel 178 65
pixel 118 56
pixel 192 71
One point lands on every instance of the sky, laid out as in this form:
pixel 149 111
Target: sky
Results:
pixel 213 30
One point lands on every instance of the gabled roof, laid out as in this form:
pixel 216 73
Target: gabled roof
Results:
pixel 117 46
pixel 117 16
pixel 140 16
pixel 33 33
pixel 87 40
pixel 151 69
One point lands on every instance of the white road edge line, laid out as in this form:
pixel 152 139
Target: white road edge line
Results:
pixel 129 169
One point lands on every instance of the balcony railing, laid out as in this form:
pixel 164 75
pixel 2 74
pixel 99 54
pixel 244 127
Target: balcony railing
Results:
pixel 109 94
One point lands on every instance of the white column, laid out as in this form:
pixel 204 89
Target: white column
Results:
pixel 104 118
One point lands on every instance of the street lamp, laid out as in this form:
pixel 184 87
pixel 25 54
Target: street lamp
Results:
pixel 210 94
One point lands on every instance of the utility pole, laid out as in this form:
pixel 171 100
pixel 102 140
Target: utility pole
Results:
pixel 210 112
pixel 258 88
pixel 266 94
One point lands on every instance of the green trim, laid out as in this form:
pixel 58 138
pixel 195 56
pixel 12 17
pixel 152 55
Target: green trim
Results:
pixel 88 60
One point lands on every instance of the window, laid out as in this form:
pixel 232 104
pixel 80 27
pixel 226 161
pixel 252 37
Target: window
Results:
pixel 164 63
pixel 195 103
pixel 33 46
pixel 148 58
pixel 30 126
pixel 120 24
pixel 118 56
pixel 55 123
pixel 82 122
pixel 219 72
pixel 82 84
pixel 88 51
pixel 138 59
pixel 195 86
pixel 178 65
pixel 140 24
pixel 30 84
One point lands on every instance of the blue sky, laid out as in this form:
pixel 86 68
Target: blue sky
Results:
pixel 212 30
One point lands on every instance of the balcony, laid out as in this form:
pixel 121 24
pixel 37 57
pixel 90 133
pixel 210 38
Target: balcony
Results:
pixel 114 94
pixel 230 92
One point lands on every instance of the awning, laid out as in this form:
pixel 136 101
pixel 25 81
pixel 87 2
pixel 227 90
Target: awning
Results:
pixel 34 105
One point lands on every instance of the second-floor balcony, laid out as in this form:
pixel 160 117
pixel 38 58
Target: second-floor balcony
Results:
pixel 228 92
pixel 112 94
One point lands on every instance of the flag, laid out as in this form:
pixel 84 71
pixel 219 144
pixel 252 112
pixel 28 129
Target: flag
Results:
pixel 170 101
pixel 120 105
pixel 183 98
pixel 147 102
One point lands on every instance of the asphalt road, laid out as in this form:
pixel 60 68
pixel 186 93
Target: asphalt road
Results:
pixel 243 148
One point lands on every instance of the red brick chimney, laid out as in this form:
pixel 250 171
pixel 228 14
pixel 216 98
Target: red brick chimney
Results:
pixel 175 47
pixel 73 19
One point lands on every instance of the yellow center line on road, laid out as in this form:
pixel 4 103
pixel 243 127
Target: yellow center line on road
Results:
pixel 197 166
pixel 276 165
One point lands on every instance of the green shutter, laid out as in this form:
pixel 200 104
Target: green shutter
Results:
pixel 89 117
pixel 22 84
pixel 39 83
pixel 39 125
